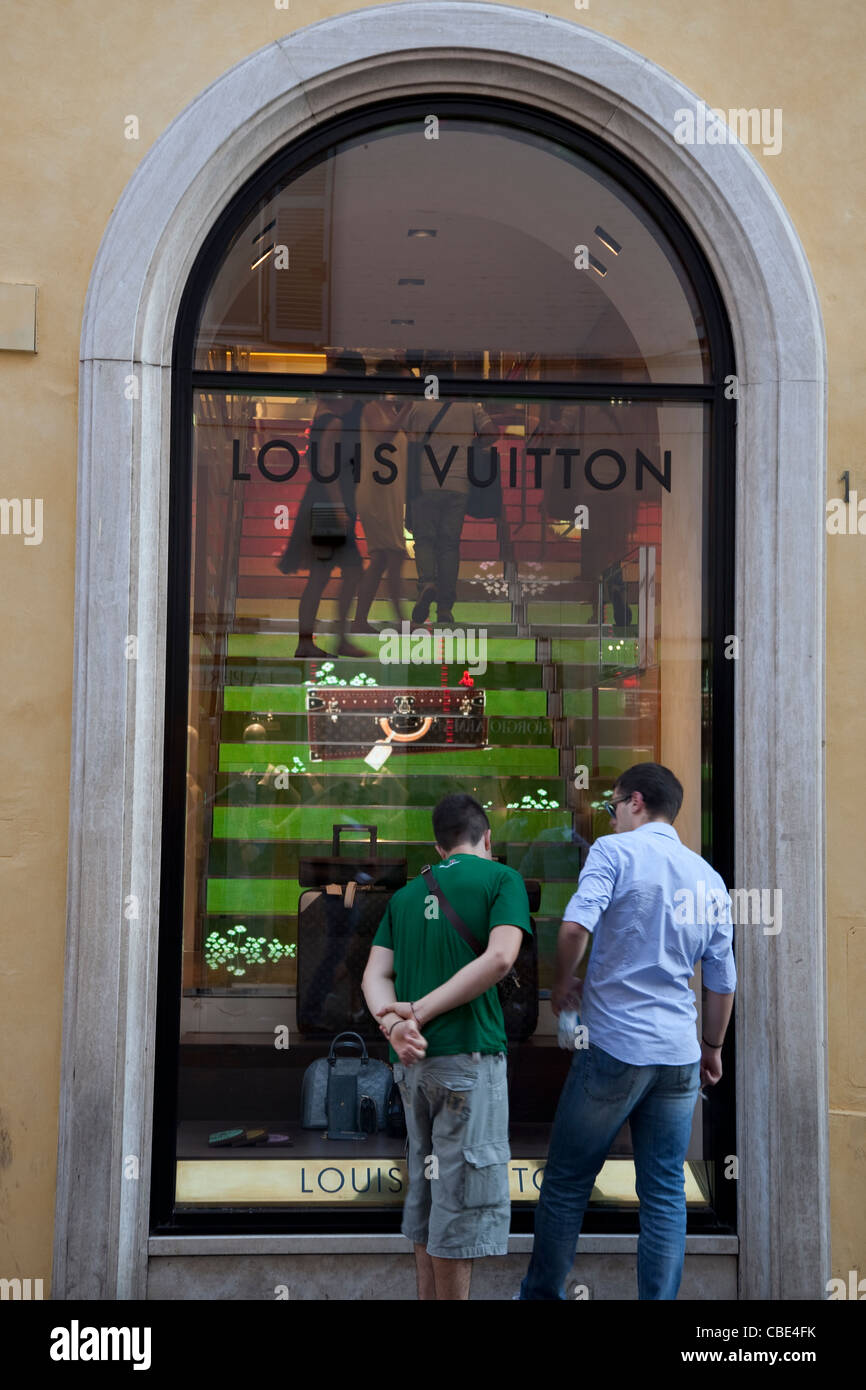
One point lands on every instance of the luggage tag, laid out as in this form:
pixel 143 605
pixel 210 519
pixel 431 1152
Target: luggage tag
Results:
pixel 380 753
pixel 348 894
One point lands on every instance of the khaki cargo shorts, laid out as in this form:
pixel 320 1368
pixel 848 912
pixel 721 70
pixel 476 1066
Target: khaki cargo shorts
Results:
pixel 458 1203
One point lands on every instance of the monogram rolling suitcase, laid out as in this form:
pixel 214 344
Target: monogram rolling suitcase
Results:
pixel 337 919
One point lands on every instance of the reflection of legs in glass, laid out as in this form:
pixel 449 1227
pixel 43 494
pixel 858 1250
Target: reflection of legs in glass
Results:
pixel 382 562
pixel 619 602
pixel 351 566
pixel 367 589
pixel 394 581
pixel 452 510
pixel 349 562
pixel 320 573
pixel 425 522
pixel 660 1126
pixel 585 1126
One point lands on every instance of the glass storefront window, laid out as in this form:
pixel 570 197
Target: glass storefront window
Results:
pixel 568 528
pixel 516 253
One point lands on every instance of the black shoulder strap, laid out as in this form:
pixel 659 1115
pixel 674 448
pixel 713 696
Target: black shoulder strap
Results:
pixel 435 421
pixel 453 917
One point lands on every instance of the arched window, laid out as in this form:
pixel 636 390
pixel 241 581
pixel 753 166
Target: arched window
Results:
pixel 452 510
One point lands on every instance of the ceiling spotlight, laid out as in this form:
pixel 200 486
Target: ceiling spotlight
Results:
pixel 265 230
pixel 271 248
pixel 408 280
pixel 422 231
pixel 402 323
pixel 597 266
pixel 608 241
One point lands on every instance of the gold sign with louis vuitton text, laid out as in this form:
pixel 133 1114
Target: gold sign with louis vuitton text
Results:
pixel 375 1182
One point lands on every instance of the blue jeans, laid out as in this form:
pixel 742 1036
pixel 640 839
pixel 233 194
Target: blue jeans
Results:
pixel 600 1093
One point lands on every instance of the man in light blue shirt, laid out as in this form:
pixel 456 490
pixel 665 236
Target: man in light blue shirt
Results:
pixel 654 909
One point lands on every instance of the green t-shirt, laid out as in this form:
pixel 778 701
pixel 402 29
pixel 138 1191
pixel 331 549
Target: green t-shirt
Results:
pixel 428 950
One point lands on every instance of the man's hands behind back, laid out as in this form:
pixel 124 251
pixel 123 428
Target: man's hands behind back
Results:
pixel 406 1038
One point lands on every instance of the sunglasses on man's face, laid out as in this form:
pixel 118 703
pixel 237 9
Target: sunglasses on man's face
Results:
pixel 610 806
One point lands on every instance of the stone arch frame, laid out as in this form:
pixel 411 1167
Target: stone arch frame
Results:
pixel 187 178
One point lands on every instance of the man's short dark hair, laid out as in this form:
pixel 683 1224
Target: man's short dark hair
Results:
pixel 661 790
pixel 458 818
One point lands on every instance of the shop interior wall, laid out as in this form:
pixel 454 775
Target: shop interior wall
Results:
pixel 73 75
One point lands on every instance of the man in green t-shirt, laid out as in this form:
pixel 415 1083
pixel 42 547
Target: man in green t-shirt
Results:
pixel 452 1076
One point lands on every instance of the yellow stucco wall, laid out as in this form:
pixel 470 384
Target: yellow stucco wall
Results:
pixel 73 70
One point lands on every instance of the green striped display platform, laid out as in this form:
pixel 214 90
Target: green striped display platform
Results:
pixel 612 704
pixel 337 789
pixel 469 763
pixel 502 732
pixel 613 760
pixel 583 651
pixel 396 823
pixel 291 699
pixel 485 611
pixel 550 860
pixel 279 897
pixel 504 675
pixel 276 646
pixel 559 612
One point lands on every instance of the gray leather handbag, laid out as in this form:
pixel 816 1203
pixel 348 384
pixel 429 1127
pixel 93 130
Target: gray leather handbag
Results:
pixel 333 1088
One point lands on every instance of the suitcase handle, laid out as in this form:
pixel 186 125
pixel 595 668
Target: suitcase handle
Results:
pixel 342 827
pixel 385 724
pixel 346 1040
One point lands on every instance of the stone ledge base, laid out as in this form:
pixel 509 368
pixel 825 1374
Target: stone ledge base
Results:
pixel 351 1275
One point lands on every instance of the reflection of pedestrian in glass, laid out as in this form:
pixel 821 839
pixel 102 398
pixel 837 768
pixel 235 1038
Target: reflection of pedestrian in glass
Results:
pixel 334 435
pixel 381 505
pixel 618 597
pixel 439 509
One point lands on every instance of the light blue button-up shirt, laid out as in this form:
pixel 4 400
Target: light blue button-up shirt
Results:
pixel 655 908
